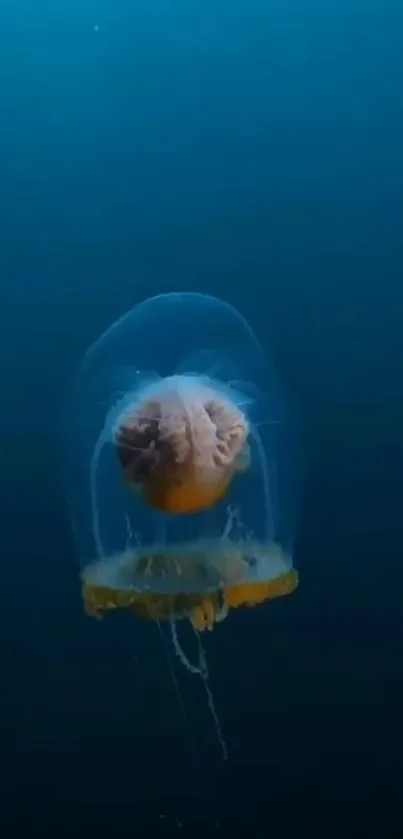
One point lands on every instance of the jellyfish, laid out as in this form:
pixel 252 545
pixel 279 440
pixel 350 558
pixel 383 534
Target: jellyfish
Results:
pixel 180 468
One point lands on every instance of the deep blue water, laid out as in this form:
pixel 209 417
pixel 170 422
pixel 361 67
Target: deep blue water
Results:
pixel 253 151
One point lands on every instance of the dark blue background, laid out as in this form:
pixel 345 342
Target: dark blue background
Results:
pixel 253 150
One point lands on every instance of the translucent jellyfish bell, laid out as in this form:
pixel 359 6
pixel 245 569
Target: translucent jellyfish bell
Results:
pixel 180 465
